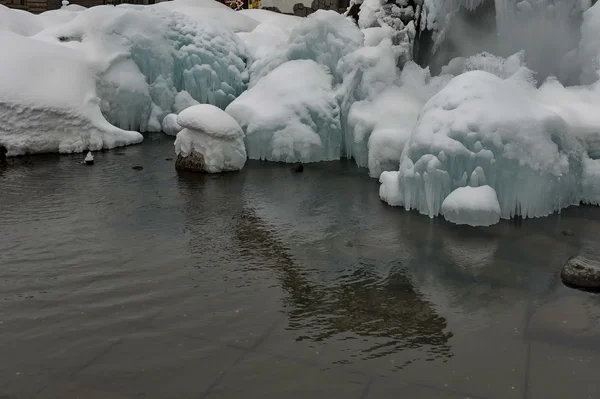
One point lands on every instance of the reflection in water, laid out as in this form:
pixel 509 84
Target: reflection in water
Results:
pixel 390 311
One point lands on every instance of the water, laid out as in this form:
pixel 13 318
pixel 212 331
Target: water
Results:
pixel 123 283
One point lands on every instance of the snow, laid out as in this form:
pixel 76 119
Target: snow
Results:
pixel 215 135
pixel 475 206
pixel 291 115
pixel 170 125
pixel 282 21
pixel 480 120
pixel 144 57
pixel 53 108
pixel 201 11
pixel 324 37
pixel 209 120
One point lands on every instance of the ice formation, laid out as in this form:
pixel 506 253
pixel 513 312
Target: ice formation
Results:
pixel 48 101
pixel 291 115
pixel 212 138
pixel 324 37
pixel 479 120
pixel 475 206
pixel 144 57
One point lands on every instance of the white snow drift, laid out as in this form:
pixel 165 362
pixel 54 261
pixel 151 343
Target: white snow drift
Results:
pixel 48 101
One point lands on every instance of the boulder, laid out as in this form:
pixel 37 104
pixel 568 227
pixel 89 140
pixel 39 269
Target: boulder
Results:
pixel 211 141
pixel 582 271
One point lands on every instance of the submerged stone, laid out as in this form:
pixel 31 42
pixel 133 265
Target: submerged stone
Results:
pixel 194 162
pixel 582 271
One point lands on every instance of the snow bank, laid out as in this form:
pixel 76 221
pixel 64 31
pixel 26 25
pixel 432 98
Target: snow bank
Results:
pixel 523 149
pixel 27 24
pixel 475 206
pixel 57 109
pixel 144 56
pixel 211 137
pixel 291 115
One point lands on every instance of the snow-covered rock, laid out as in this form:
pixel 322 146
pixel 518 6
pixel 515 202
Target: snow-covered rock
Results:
pixel 291 115
pixel 475 206
pixel 211 141
pixel 48 101
pixel 480 120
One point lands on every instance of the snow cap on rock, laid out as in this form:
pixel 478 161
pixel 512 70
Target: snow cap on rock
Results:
pixel 211 121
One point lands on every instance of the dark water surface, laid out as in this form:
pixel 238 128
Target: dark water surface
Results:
pixel 117 283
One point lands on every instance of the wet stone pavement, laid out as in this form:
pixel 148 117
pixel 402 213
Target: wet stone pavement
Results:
pixel 153 283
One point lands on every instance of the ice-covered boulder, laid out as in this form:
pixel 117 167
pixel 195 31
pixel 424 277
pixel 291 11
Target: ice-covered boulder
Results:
pixel 475 206
pixel 480 120
pixel 211 141
pixel 143 57
pixel 291 115
pixel 48 101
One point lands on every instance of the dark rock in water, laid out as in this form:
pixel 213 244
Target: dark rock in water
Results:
pixel 168 159
pixel 137 167
pixel 298 167
pixel 582 271
pixel 193 162
pixel 3 152
pixel 568 233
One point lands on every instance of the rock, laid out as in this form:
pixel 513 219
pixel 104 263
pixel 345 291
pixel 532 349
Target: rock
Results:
pixel 194 162
pixel 568 233
pixel 211 141
pixel 298 167
pixel 582 271
pixel 3 152
pixel 137 167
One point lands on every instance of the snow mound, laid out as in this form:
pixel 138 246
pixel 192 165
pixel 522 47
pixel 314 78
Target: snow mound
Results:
pixel 57 109
pixel 282 21
pixel 212 136
pixel 324 37
pixel 203 10
pixel 143 57
pixel 475 206
pixel 381 107
pixel 493 128
pixel 170 125
pixel 211 121
pixel 291 115
pixel 27 24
